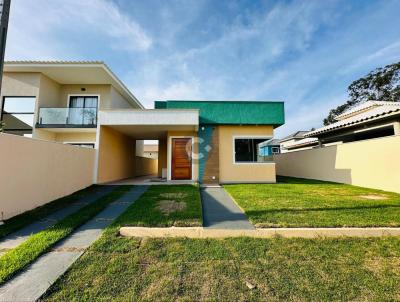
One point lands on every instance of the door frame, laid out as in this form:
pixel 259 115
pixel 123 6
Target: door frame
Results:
pixel 169 155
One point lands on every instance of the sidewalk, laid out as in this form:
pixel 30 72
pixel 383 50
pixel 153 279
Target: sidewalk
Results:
pixel 33 282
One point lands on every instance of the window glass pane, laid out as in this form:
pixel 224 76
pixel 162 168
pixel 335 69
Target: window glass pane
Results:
pixel 17 121
pixel 76 102
pixel 243 150
pixel 19 104
pixel 251 150
pixel 91 102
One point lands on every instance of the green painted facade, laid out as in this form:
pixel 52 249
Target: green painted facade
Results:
pixel 232 112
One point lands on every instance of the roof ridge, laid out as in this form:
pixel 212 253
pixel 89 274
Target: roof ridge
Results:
pixel 364 106
pixel 53 62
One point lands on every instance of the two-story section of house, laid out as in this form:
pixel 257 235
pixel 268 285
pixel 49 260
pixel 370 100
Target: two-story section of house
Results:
pixel 59 101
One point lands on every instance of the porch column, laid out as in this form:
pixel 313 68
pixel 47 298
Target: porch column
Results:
pixel 396 127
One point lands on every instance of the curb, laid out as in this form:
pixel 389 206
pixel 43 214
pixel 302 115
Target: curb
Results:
pixel 199 232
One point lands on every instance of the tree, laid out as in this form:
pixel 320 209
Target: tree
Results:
pixel 382 84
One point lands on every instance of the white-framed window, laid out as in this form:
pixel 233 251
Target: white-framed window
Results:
pixel 250 150
pixel 275 150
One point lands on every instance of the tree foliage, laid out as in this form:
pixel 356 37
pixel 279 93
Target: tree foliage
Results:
pixel 382 84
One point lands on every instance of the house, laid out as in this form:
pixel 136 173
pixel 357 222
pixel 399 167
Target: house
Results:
pixel 199 141
pixel 302 144
pixel 270 147
pixel 290 139
pixel 85 104
pixel 372 119
pixel 59 101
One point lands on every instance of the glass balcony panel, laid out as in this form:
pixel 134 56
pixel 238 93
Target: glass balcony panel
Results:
pixel 68 116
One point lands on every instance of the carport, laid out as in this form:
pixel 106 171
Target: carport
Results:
pixel 120 140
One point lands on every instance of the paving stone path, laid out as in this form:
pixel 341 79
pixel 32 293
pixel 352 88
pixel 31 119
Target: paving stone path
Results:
pixel 16 238
pixel 33 282
pixel 221 212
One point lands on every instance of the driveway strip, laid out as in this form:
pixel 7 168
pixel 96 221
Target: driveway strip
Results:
pixel 16 238
pixel 221 212
pixel 32 283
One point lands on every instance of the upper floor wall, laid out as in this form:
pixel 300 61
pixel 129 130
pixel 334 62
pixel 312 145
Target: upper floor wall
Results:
pixel 50 93
pixel 36 105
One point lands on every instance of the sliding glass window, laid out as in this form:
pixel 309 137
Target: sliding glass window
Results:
pixel 83 110
pixel 18 115
pixel 250 150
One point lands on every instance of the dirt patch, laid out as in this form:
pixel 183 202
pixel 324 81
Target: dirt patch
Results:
pixel 170 206
pixel 174 196
pixel 374 197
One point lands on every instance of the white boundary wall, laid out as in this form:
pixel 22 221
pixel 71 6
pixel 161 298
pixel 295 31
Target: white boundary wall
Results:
pixel 35 172
pixel 373 163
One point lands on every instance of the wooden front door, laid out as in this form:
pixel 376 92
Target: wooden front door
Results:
pixel 181 158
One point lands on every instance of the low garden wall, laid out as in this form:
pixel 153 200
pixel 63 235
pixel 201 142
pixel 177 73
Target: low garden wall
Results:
pixel 373 163
pixel 35 172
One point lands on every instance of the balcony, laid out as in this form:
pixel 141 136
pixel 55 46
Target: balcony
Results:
pixel 67 118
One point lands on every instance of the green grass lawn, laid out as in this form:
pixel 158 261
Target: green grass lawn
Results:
pixel 310 203
pixel 128 269
pixel 17 222
pixel 18 258
pixel 167 205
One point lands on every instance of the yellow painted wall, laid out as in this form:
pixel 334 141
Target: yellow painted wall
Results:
pixel 20 84
pixel 116 158
pixel 44 135
pixel 118 101
pixel 49 92
pixel 243 172
pixel 162 156
pixel 195 161
pixel 81 137
pixel 103 90
pixel 145 166
pixel 35 172
pixel 371 163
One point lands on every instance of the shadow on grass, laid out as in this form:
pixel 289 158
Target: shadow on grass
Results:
pixel 303 181
pixel 285 210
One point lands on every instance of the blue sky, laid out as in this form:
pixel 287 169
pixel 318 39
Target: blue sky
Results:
pixel 305 53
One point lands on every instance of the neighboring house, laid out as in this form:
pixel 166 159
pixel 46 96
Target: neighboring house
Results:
pixel 372 119
pixel 85 104
pixel 290 139
pixel 150 151
pixel 59 101
pixel 270 147
pixel 302 144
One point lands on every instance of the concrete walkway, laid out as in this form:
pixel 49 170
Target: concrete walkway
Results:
pixel 221 212
pixel 32 283
pixel 16 238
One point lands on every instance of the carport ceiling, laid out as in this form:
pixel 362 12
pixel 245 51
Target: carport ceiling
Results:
pixel 150 132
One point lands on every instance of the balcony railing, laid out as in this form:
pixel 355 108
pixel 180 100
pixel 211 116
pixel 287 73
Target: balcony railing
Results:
pixel 67 117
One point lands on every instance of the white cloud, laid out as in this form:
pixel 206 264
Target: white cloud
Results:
pixel 389 54
pixel 176 91
pixel 44 29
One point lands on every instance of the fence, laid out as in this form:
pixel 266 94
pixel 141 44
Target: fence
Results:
pixel 373 163
pixel 35 172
